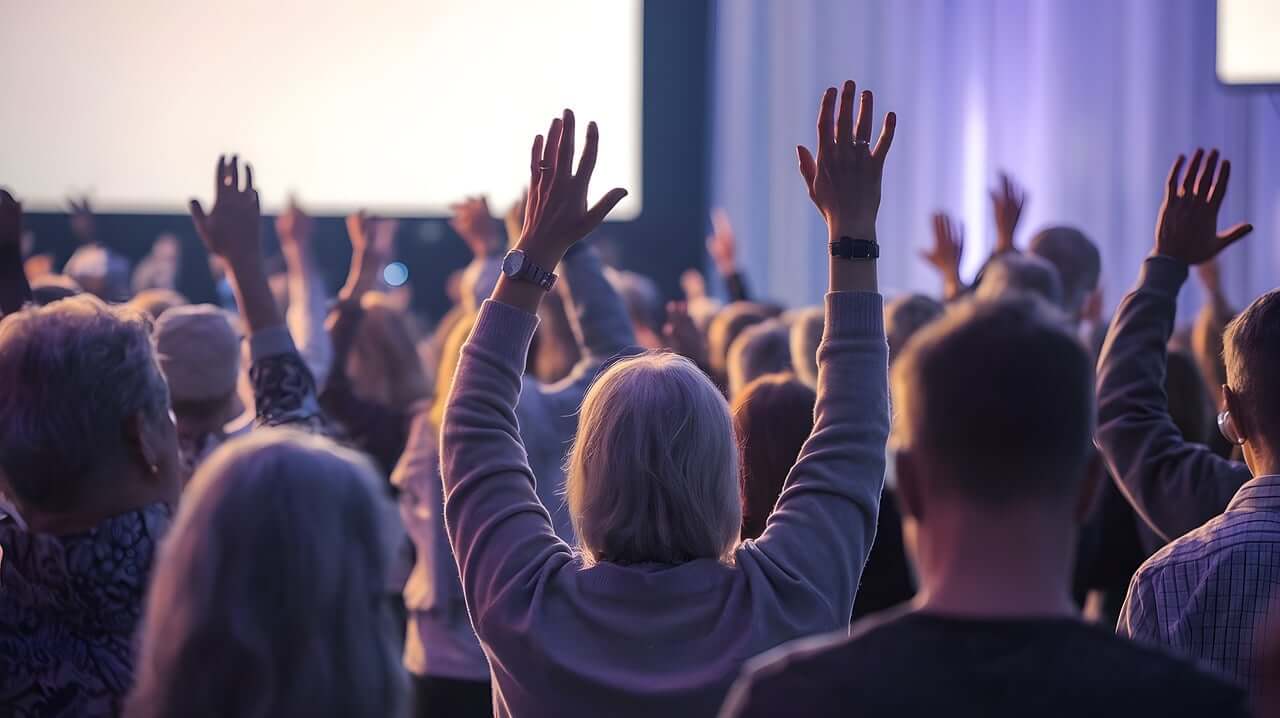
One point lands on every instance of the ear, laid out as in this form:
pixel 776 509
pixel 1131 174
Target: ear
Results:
pixel 141 442
pixel 1239 418
pixel 910 492
pixel 1095 472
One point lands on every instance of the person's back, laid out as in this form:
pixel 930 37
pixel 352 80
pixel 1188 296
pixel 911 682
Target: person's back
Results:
pixel 1209 594
pixel 994 476
pixel 658 608
pixel 925 665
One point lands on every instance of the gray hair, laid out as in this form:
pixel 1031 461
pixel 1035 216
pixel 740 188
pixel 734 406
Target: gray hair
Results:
pixel 806 334
pixel 906 315
pixel 1021 273
pixel 72 373
pixel 1077 260
pixel 267 598
pixel 653 474
pixel 762 349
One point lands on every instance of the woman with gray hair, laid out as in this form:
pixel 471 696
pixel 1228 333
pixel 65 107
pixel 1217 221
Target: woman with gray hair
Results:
pixel 89 454
pixel 659 605
pixel 268 595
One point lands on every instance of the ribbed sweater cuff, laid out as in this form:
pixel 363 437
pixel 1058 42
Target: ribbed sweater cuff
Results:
pixel 505 331
pixel 1163 274
pixel 856 314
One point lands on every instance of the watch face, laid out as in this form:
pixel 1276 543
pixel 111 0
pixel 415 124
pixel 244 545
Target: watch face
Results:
pixel 513 263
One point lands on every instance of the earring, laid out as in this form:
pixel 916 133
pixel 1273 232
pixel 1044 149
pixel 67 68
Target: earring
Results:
pixel 1227 425
pixel 155 469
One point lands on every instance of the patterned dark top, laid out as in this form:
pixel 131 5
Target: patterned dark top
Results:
pixel 68 609
pixel 70 605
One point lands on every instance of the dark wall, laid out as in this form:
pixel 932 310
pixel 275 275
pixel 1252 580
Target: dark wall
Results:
pixel 663 241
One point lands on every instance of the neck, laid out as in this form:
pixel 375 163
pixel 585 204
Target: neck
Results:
pixel 1011 562
pixel 129 491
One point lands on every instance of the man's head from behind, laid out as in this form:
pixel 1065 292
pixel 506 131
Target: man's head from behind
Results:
pixel 1077 260
pixel 1251 349
pixel 994 411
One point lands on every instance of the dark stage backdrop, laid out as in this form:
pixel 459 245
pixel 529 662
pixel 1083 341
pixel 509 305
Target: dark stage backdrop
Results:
pixel 663 241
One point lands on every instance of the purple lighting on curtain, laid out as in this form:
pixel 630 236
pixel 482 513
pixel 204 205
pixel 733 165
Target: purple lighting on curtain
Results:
pixel 1086 103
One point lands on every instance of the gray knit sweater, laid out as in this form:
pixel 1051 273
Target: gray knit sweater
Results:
pixel 565 639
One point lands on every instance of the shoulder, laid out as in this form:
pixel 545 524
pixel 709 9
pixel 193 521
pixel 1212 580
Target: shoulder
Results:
pixel 1219 540
pixel 807 656
pixel 1166 680
pixel 808 676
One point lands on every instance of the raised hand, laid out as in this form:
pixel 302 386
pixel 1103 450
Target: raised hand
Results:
pixel 722 245
pixel 231 230
pixel 82 223
pixel 10 224
pixel 1007 201
pixel 1187 226
pixel 477 227
pixel 844 179
pixel 556 214
pixel 372 246
pixel 294 228
pixel 948 249
pixel 682 336
pixel 693 284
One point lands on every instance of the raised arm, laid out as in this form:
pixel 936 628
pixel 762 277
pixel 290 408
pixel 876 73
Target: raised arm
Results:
pixel 1007 202
pixel 284 391
pixel 944 256
pixel 501 535
pixel 722 245
pixel 825 520
pixel 306 314
pixel 1175 485
pixel 376 428
pixel 14 290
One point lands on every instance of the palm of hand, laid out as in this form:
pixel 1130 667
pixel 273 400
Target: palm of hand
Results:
pixel 844 179
pixel 231 227
pixel 1186 229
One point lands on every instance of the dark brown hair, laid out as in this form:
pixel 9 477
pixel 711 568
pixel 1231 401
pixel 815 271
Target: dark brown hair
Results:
pixel 773 416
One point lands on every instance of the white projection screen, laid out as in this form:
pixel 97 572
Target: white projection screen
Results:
pixel 1247 35
pixel 398 106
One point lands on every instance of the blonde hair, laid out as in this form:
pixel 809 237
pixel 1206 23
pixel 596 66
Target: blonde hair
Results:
pixel 653 474
pixel 267 595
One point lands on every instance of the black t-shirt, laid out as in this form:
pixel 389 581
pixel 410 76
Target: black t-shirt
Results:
pixel 921 665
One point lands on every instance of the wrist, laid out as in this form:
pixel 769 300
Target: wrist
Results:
pixel 546 258
pixel 853 230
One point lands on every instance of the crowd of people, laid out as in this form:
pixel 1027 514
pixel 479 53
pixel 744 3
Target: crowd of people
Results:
pixel 570 497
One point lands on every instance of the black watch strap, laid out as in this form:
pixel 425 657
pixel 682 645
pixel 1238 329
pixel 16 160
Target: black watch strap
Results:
pixel 537 275
pixel 855 249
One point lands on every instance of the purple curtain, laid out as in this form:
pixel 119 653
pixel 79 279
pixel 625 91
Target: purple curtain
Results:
pixel 1085 102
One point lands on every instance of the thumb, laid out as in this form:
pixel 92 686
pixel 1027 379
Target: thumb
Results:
pixel 198 217
pixel 808 168
pixel 595 215
pixel 1235 234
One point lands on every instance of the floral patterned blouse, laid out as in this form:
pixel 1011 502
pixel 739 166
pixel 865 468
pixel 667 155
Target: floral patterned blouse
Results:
pixel 70 604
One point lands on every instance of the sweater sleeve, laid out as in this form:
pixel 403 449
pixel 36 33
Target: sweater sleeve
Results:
pixel 822 528
pixel 1174 485
pixel 501 534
